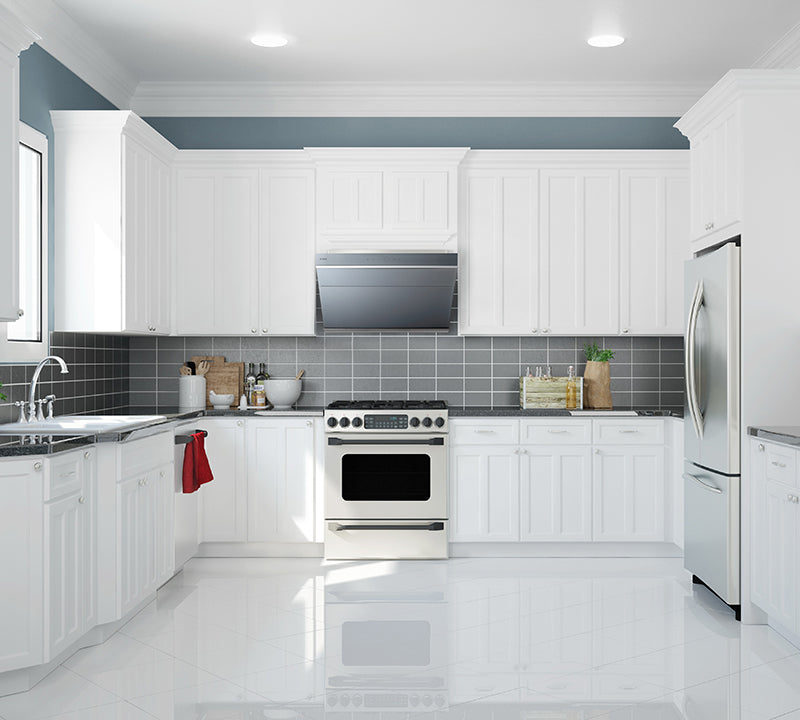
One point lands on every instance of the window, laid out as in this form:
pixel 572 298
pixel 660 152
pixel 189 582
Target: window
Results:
pixel 26 339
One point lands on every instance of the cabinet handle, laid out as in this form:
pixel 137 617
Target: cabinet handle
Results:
pixel 778 464
pixel 81 500
pixel 628 432
pixel 253 330
pixel 37 466
pixel 66 474
pixel 557 432
pixel 485 432
pixel 87 454
pixel 760 447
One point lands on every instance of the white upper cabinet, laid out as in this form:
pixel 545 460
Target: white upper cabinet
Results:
pixel 572 242
pixel 245 243
pixel 579 236
pixel 14 38
pixel 498 252
pixel 386 199
pixel 113 223
pixel 654 232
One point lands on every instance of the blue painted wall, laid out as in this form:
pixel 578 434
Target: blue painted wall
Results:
pixel 579 133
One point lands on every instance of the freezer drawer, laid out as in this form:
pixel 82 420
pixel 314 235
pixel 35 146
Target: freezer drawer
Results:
pixel 711 517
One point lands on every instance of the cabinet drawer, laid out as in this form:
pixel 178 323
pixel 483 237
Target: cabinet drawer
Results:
pixel 636 431
pixel 63 476
pixel 556 432
pixel 141 455
pixel 484 432
pixel 781 464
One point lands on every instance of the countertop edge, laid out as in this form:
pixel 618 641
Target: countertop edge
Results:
pixel 789 435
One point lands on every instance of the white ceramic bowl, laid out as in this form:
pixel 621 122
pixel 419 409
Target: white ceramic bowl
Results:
pixel 220 402
pixel 283 392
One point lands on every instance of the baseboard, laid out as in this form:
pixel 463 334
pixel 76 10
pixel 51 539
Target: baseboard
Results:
pixel 253 549
pixel 556 549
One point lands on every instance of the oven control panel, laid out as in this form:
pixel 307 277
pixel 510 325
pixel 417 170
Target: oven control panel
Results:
pixel 352 421
pixel 385 422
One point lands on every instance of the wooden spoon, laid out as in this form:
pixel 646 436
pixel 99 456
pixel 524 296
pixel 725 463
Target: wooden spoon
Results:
pixel 203 367
pixel 300 374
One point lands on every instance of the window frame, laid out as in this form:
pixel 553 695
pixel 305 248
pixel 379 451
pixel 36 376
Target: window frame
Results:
pixel 17 351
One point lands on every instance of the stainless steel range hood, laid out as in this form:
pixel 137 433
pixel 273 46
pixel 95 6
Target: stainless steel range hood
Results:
pixel 386 291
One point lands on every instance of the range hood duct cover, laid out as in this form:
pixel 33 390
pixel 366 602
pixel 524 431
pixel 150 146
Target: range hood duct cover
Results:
pixel 386 291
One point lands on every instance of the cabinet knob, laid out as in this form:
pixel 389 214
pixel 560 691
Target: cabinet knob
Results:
pixel 626 330
pixel 161 474
pixel 141 482
pixel 37 466
pixel 535 330
pixel 516 451
pixel 597 451
pixel 523 451
pixel 545 330
pixel 81 500
pixel 309 423
pixel 87 454
pixel 238 423
pixel 253 330
pixel 264 330
pixel 760 447
pixel 20 312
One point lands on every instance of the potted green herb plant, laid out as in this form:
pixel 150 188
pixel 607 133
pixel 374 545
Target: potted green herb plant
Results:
pixel 2 397
pixel 597 377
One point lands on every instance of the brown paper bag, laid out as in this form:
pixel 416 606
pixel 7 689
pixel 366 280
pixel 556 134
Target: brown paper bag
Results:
pixel 597 385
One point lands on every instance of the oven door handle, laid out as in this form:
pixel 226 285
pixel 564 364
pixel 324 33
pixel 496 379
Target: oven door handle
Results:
pixel 433 527
pixel 399 441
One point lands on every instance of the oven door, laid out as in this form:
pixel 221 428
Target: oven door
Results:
pixel 383 477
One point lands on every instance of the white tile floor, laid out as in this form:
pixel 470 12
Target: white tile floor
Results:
pixel 494 639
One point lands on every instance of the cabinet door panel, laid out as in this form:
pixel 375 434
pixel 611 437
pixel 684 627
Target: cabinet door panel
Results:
pixel 159 262
pixel 629 494
pixel 579 238
pixel 350 201
pixel 136 221
pixel 195 241
pixel 499 253
pixel 654 232
pixel 416 200
pixel 65 528
pixel 223 501
pixel 758 519
pixel 280 481
pixel 286 228
pixel 484 486
pixel 783 519
pixel 555 497
pixel 129 570
pixel 164 491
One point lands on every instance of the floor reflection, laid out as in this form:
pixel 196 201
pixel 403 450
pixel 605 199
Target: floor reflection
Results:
pixel 488 639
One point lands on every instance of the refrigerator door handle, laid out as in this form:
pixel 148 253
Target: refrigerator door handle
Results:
pixel 691 371
pixel 707 486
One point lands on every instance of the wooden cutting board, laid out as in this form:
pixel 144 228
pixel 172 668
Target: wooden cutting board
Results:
pixel 223 378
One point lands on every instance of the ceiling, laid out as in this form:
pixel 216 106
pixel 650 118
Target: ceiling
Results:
pixel 465 41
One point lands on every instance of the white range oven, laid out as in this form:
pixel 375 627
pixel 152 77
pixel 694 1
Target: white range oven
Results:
pixel 386 479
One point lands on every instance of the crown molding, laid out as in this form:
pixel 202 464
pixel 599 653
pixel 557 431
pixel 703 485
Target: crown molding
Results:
pixel 382 157
pixel 66 41
pixel 15 36
pixel 736 84
pixel 784 54
pixel 278 159
pixel 347 99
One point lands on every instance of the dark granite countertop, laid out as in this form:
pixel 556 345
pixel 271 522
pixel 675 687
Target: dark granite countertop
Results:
pixel 557 412
pixel 788 435
pixel 65 444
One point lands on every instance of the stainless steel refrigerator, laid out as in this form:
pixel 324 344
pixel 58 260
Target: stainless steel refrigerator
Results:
pixel 711 471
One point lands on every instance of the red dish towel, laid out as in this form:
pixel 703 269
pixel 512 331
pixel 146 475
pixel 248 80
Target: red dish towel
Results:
pixel 196 470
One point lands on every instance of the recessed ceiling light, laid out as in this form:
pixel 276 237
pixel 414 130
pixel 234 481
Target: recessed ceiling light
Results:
pixel 606 40
pixel 270 41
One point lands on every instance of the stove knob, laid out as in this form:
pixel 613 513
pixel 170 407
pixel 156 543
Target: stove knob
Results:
pixel 344 700
pixel 427 700
pixel 357 700
pixel 332 700
pixel 427 422
pixel 332 422
pixel 439 422
pixel 356 422
pixel 344 422
pixel 414 422
pixel 414 700
pixel 439 700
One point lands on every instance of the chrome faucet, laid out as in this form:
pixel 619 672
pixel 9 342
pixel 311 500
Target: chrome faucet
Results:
pixel 35 379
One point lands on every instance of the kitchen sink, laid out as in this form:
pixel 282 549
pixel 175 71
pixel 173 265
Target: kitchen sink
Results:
pixel 79 425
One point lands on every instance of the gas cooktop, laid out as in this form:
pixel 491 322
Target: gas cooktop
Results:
pixel 388 405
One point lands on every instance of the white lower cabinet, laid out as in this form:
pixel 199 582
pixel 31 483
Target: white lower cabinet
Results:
pixel 70 539
pixel 223 501
pixel 484 494
pixel 555 493
pixel 571 487
pixel 629 493
pixel 280 480
pixel 775 493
